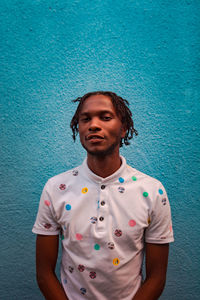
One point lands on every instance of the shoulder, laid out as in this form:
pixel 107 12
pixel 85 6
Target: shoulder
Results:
pixel 142 178
pixel 149 187
pixel 62 178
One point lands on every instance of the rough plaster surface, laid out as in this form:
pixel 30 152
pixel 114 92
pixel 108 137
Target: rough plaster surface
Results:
pixel 54 51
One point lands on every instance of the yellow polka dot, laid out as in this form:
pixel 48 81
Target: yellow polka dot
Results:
pixel 115 261
pixel 149 220
pixel 84 190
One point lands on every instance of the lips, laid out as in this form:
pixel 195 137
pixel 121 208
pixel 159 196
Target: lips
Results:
pixel 94 137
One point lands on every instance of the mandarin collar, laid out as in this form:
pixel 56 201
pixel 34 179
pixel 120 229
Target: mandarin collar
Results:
pixel 95 178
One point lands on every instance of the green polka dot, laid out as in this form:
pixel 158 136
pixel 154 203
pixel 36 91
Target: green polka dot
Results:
pixel 145 194
pixel 134 178
pixel 96 246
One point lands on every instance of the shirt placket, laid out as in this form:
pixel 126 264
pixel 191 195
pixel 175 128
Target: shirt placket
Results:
pixel 102 208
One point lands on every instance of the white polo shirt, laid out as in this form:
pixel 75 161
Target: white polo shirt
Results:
pixel 104 223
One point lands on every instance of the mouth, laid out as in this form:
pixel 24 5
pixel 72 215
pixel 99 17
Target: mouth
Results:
pixel 94 137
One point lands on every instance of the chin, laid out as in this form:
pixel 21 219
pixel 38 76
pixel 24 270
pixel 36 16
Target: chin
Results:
pixel 103 152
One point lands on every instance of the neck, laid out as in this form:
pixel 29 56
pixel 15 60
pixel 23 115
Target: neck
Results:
pixel 104 166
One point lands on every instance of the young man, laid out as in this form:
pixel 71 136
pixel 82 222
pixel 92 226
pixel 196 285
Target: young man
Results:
pixel 109 215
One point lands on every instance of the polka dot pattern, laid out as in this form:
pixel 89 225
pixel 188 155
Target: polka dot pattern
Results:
pixel 121 180
pixel 47 226
pixel 111 245
pixel 118 235
pixel 132 223
pixel 68 207
pixel 118 232
pixel 96 247
pixel 47 202
pixel 81 268
pixel 84 190
pixel 93 275
pixel 83 291
pixel 62 187
pixel 121 189
pixel 75 172
pixel 79 237
pixel 116 261
pixel 145 194
pixel 93 220
pixel 71 269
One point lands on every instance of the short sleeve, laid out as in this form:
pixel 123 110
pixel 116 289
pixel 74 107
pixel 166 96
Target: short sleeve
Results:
pixel 159 230
pixel 46 223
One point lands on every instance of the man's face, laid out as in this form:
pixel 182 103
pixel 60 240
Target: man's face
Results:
pixel 100 128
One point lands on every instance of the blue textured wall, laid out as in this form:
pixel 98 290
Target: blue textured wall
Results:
pixel 54 51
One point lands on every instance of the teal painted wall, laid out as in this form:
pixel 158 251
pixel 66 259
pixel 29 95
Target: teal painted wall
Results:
pixel 54 51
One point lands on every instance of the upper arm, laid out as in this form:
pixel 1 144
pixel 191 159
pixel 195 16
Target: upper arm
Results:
pixel 156 260
pixel 46 252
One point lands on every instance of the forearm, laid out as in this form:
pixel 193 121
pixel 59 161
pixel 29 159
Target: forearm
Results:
pixel 151 289
pixel 51 287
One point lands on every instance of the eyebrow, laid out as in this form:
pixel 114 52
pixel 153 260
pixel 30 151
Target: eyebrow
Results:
pixel 101 112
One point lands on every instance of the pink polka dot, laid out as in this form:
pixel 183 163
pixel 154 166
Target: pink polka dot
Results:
pixel 132 223
pixel 79 236
pixel 47 202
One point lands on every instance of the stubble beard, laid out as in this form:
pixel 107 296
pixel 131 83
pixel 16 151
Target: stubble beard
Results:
pixel 103 153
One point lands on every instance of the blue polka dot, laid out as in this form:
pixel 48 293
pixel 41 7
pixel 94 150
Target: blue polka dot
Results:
pixel 68 207
pixel 160 191
pixel 121 179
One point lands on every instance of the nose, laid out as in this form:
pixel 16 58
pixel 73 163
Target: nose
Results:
pixel 94 125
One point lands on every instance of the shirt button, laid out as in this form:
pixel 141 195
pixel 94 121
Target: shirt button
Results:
pixel 101 218
pixel 103 203
pixel 103 187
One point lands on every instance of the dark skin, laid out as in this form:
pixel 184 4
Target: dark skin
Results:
pixel 46 258
pixel 100 131
pixel 156 269
pixel 98 118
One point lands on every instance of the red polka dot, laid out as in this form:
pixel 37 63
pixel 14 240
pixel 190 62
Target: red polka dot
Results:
pixel 79 236
pixel 47 202
pixel 132 223
pixel 62 187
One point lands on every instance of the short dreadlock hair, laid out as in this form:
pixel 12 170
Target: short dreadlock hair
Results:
pixel 122 110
